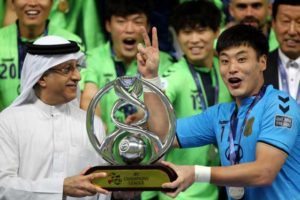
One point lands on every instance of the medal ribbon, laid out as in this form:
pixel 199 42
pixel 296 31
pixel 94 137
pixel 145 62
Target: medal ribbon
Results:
pixel 233 126
pixel 196 78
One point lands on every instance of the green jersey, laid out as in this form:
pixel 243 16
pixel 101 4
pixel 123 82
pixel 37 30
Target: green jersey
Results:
pixel 81 19
pixel 9 60
pixel 183 93
pixel 101 69
pixel 273 43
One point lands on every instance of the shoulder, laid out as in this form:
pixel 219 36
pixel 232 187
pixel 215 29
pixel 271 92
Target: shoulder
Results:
pixel 76 111
pixel 8 30
pixel 178 67
pixel 100 56
pixel 222 109
pixel 175 75
pixel 280 101
pixel 165 56
pixel 55 30
pixel 81 116
pixel 11 114
pixel 103 50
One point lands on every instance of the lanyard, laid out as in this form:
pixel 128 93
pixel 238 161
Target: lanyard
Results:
pixel 284 81
pixel 119 66
pixel 22 47
pixel 196 78
pixel 128 109
pixel 233 126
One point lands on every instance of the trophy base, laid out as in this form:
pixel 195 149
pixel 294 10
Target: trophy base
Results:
pixel 134 177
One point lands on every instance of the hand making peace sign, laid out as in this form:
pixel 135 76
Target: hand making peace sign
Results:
pixel 148 55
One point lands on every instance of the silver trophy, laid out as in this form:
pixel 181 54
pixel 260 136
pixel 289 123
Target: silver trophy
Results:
pixel 132 149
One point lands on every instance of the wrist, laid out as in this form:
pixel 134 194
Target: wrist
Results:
pixel 202 174
pixel 154 81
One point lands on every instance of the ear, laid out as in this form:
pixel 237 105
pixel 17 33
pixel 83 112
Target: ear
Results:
pixel 108 26
pixel 270 9
pixel 217 33
pixel 263 62
pixel 230 9
pixel 42 82
pixel 11 4
pixel 273 23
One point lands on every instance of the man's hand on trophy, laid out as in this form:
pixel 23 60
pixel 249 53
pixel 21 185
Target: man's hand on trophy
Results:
pixel 186 177
pixel 81 185
pixel 148 55
pixel 134 117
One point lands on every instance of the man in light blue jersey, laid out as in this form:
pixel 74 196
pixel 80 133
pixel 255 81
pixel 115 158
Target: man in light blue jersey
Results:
pixel 257 134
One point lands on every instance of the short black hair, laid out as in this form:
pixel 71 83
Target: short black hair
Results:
pixel 277 3
pixel 124 8
pixel 192 14
pixel 243 35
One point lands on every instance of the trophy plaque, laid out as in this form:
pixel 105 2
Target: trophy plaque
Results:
pixel 131 149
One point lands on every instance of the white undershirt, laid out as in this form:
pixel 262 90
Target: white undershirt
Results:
pixel 293 74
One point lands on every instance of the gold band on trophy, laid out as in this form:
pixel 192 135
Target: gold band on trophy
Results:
pixel 137 177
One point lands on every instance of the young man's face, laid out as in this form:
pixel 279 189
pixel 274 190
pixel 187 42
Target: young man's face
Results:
pixel 197 44
pixel 250 12
pixel 242 71
pixel 125 34
pixel 32 13
pixel 287 28
pixel 59 85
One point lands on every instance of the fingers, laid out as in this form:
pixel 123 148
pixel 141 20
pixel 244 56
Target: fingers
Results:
pixel 168 164
pixel 96 175
pixel 93 189
pixel 154 38
pixel 140 60
pixel 85 170
pixel 145 37
pixel 142 50
pixel 171 185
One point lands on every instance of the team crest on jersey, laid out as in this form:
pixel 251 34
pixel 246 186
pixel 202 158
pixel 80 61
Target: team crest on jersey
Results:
pixel 249 125
pixel 283 121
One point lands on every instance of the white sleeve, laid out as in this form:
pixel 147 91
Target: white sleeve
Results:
pixel 13 187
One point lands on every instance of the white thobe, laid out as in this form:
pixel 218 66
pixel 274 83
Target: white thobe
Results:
pixel 40 145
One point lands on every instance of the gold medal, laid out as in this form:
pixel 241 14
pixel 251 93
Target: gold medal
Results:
pixel 236 192
pixel 63 6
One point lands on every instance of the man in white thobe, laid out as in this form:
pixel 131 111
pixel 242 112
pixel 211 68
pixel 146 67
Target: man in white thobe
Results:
pixel 44 147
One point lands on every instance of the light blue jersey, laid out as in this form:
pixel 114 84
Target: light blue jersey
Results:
pixel 274 120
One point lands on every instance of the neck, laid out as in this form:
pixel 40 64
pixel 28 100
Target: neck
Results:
pixel 31 32
pixel 292 56
pixel 255 92
pixel 127 62
pixel 207 62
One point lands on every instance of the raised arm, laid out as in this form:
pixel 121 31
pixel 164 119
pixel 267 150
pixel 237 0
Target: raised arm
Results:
pixel 148 63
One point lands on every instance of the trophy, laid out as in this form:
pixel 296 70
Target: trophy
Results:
pixel 131 149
